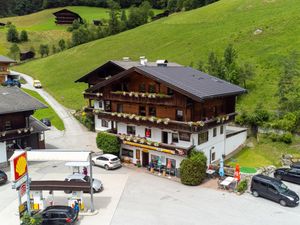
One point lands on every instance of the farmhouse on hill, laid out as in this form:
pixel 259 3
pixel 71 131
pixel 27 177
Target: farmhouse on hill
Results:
pixel 5 74
pixel 66 16
pixel 163 110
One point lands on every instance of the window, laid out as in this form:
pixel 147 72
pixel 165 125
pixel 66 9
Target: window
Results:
pixel 142 111
pixel 7 125
pixel 152 111
pixel 131 130
pixel 127 152
pixel 272 189
pixel 214 132
pixel 215 110
pixel 104 123
pixel 173 163
pixel 221 129
pixel 213 156
pixel 151 88
pixel 142 87
pixel 170 91
pixel 164 137
pixel 100 104
pixel 107 106
pixel 203 137
pixel 148 133
pixel 154 159
pixel 124 87
pixel 175 137
pixel 119 108
pixel 183 136
pixel 179 115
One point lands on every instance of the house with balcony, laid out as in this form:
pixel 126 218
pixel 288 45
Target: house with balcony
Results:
pixel 4 68
pixel 163 110
pixel 18 128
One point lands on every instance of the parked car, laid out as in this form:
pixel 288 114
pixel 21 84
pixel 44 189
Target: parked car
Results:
pixel 97 184
pixel 59 214
pixel 46 121
pixel 108 161
pixel 296 165
pixel 288 174
pixel 274 190
pixel 3 177
pixel 37 84
pixel 12 82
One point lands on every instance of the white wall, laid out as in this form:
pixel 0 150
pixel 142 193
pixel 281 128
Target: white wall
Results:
pixel 3 156
pixel 98 123
pixel 96 105
pixel 235 141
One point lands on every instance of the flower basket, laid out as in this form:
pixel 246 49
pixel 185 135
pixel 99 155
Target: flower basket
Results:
pixel 156 144
pixel 136 95
pixel 137 118
pixel 119 115
pixel 159 121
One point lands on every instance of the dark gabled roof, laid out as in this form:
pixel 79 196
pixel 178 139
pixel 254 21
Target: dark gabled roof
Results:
pixel 122 65
pixel 6 59
pixel 13 99
pixel 37 125
pixel 188 81
pixel 66 10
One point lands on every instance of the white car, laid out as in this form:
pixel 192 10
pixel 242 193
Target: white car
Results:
pixel 97 184
pixel 37 84
pixel 108 161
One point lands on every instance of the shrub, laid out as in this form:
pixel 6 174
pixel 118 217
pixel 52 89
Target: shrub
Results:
pixel 31 220
pixel 109 143
pixel 23 36
pixel 192 169
pixel 242 186
pixel 287 138
pixel 85 119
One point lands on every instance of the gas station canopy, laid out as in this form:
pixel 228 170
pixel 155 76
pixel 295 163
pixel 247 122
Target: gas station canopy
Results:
pixel 55 155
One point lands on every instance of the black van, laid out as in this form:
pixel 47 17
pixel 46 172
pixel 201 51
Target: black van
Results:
pixel 274 190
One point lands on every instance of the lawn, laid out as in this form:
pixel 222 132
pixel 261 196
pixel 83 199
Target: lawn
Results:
pixel 42 29
pixel 46 113
pixel 186 38
pixel 264 153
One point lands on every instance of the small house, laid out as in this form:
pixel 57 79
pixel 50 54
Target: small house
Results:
pixel 66 16
pixel 27 55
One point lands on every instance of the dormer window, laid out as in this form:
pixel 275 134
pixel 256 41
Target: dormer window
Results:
pixel 142 87
pixel 151 88
pixel 170 91
pixel 179 115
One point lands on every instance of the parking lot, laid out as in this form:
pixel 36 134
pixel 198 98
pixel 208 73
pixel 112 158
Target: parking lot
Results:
pixel 134 197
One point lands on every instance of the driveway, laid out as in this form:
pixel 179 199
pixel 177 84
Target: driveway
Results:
pixel 75 136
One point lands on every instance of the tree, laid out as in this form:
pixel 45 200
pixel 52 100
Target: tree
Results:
pixel 31 220
pixel 215 66
pixel 23 36
pixel 172 5
pixel 108 143
pixel 14 51
pixel 246 72
pixel 44 50
pixel 123 20
pixel 54 49
pixel 193 168
pixel 114 13
pixel 62 44
pixel 12 34
pixel 80 36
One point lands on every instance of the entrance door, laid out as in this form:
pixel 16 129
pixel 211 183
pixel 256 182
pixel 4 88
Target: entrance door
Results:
pixel 164 137
pixel 145 162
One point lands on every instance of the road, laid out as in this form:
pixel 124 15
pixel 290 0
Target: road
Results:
pixel 75 136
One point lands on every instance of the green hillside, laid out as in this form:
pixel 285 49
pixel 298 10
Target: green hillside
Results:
pixel 184 38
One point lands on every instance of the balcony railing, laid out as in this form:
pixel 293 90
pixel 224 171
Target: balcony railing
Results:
pixel 163 123
pixel 139 97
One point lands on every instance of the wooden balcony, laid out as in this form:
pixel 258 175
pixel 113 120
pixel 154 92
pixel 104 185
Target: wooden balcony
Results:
pixel 163 123
pixel 142 98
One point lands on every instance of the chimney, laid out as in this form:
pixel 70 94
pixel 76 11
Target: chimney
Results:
pixel 162 63
pixel 126 59
pixel 143 61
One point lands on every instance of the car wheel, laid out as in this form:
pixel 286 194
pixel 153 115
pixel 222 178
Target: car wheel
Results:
pixel 282 202
pixel 255 194
pixel 279 177
pixel 106 167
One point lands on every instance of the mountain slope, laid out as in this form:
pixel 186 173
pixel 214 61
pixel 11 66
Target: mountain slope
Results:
pixel 184 38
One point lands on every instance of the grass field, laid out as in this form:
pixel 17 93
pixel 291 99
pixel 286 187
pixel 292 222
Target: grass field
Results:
pixel 42 29
pixel 184 38
pixel 264 153
pixel 46 113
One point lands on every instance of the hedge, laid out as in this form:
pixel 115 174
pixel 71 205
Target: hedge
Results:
pixel 108 143
pixel 193 169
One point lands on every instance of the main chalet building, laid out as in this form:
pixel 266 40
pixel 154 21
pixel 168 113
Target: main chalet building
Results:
pixel 163 110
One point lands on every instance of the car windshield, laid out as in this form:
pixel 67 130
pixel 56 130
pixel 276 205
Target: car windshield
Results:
pixel 282 188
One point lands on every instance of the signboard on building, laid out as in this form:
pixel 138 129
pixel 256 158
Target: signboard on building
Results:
pixel 22 189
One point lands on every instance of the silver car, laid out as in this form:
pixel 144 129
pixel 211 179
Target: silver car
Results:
pixel 108 161
pixel 97 184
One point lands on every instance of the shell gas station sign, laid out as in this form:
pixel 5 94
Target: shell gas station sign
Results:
pixel 19 167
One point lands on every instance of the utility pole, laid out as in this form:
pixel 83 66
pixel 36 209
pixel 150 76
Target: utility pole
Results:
pixel 91 183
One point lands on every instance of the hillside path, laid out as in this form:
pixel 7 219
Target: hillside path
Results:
pixel 75 135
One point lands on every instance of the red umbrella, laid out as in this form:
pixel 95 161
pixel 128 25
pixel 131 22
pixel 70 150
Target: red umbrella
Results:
pixel 237 173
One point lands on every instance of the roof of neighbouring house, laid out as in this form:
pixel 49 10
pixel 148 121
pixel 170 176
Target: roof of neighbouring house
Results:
pixel 66 10
pixel 186 80
pixel 6 59
pixel 14 100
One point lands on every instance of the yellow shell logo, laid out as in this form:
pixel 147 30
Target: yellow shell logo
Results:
pixel 21 166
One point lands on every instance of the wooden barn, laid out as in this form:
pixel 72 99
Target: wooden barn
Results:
pixel 27 55
pixel 2 24
pixel 66 16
